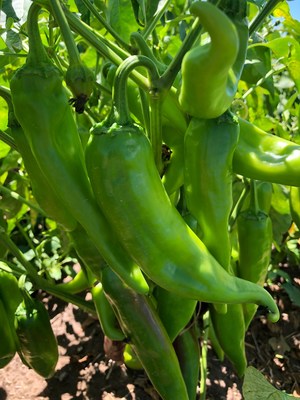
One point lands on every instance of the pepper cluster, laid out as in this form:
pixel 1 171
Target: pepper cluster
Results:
pixel 154 234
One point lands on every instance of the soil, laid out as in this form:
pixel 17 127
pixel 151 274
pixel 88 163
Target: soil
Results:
pixel 86 372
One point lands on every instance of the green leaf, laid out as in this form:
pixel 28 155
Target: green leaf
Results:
pixel 256 387
pixel 8 9
pixel 287 50
pixel 293 292
pixel 121 18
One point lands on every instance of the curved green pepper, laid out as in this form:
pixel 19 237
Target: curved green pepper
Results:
pixel 208 81
pixel 124 179
pixel 37 343
pixel 147 336
pixel 52 134
pixel 42 191
pixel 266 157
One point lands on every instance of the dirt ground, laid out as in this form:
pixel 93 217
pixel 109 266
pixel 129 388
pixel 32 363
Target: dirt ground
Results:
pixel 84 371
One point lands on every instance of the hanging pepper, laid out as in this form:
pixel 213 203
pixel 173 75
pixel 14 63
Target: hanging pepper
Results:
pixel 52 134
pixel 37 343
pixel 129 190
pixel 266 157
pixel 294 200
pixel 7 342
pixel 255 238
pixel 188 352
pixel 147 336
pixel 208 81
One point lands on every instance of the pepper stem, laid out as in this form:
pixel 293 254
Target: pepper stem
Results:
pixel 37 54
pixel 121 101
pixel 66 32
pixel 120 85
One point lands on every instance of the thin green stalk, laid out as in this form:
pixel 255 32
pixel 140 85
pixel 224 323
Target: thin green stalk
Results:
pixel 262 80
pixel 66 31
pixel 167 79
pixel 42 283
pixel 18 197
pixel 238 206
pixel 6 138
pixel 156 128
pixel 120 84
pixel 37 53
pixel 266 10
pixel 203 357
pixel 106 25
pixel 154 20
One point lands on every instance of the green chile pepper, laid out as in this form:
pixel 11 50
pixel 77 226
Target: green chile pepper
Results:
pixel 130 358
pixel 208 148
pixel 107 318
pixel 147 336
pixel 174 311
pixel 37 343
pixel 10 297
pixel 208 80
pixel 255 237
pixel 266 157
pixel 42 191
pixel 230 333
pixel 56 145
pixel 77 284
pixel 188 352
pixel 173 176
pixel 7 342
pixel 124 178
pixel 294 199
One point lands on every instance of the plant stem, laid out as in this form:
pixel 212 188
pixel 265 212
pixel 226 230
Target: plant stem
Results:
pixel 37 53
pixel 167 79
pixel 7 139
pixel 156 17
pixel 266 10
pixel 42 283
pixel 120 84
pixel 16 196
pixel 203 357
pixel 60 17
pixel 103 22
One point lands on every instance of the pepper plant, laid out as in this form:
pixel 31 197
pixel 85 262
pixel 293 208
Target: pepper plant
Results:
pixel 148 138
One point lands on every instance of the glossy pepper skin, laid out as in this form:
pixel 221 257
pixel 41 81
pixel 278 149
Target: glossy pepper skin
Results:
pixel 208 80
pixel 147 336
pixel 52 134
pixel 10 298
pixel 294 200
pixel 174 311
pixel 106 315
pixel 266 157
pixel 124 179
pixel 209 145
pixel 42 191
pixel 7 342
pixel 188 352
pixel 37 343
pixel 255 237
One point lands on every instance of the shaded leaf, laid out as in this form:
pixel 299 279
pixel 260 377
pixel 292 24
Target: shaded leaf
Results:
pixel 256 387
